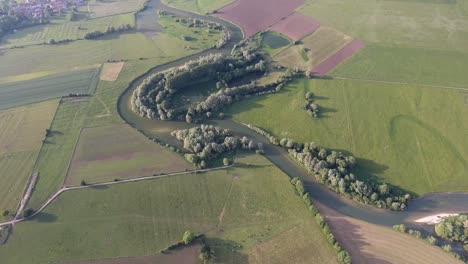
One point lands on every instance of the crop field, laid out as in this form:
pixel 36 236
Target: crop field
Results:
pixel 65 31
pixel 21 134
pixel 273 42
pixel 115 47
pixel 407 64
pixel 119 152
pixel 339 57
pixel 247 205
pixel 110 71
pixel 296 26
pixel 198 6
pixel 52 86
pixel 365 243
pixel 313 49
pixel 257 15
pixel 407 135
pixel 109 7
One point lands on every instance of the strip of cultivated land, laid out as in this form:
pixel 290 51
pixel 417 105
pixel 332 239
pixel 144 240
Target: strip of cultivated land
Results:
pixel 238 209
pixel 52 86
pixel 313 49
pixel 22 130
pixel 406 135
pixel 119 152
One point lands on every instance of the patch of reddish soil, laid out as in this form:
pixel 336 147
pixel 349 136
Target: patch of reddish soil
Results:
pixel 337 58
pixel 187 255
pixel 296 26
pixel 256 15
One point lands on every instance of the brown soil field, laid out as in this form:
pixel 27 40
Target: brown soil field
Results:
pixel 112 7
pixel 339 57
pixel 296 26
pixel 187 255
pixel 256 15
pixel 313 49
pixel 119 152
pixel 110 71
pixel 371 244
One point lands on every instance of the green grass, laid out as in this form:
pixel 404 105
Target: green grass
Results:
pixel 107 8
pixel 245 205
pixel 116 47
pixel 273 43
pixel 199 6
pixel 410 65
pixel 406 135
pixel 119 152
pixel 21 132
pixel 48 87
pixel 418 23
pixel 73 30
pixel 199 36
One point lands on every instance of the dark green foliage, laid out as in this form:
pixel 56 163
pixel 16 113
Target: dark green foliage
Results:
pixel 109 30
pixel 400 228
pixel 453 228
pixel 5 213
pixel 312 109
pixel 188 237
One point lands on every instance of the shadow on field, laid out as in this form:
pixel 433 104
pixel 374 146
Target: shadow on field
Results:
pixel 325 110
pixel 226 251
pixel 45 218
pixel 252 166
pixel 99 187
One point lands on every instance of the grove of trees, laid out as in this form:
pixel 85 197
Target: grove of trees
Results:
pixel 453 228
pixel 312 109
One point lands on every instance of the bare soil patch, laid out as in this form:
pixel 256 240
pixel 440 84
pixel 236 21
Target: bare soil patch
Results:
pixel 296 26
pixel 256 15
pixel 186 255
pixel 339 57
pixel 110 71
pixel 369 243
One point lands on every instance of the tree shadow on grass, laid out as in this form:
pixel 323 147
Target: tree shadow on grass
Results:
pixel 43 217
pixel 226 251
pixel 99 187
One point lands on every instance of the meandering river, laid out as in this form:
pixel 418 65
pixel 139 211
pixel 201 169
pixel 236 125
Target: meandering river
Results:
pixel 424 206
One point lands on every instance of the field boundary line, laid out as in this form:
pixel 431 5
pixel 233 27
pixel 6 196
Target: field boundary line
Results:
pixel 66 189
pixel 72 156
pixel 403 83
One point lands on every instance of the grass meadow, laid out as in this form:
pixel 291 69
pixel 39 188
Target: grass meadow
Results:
pixel 273 43
pixel 410 136
pixel 48 87
pixel 21 134
pixel 313 49
pixel 119 152
pixel 198 6
pixel 240 209
pixel 109 8
pixel 73 30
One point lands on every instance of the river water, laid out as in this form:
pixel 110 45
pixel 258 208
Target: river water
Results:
pixel 430 204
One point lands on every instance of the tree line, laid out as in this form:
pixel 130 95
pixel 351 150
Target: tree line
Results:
pixel 109 30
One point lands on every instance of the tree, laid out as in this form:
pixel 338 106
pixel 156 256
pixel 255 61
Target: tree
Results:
pixel 83 183
pixel 188 237
pixel 5 213
pixel 401 228
pixel 226 162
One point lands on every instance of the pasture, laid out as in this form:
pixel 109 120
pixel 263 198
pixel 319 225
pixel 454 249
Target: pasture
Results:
pixel 109 7
pixel 21 134
pixel 273 42
pixel 119 152
pixel 198 6
pixel 365 244
pixel 313 49
pixel 246 205
pixel 407 64
pixel 48 87
pixel 257 15
pixel 72 30
pixel 406 135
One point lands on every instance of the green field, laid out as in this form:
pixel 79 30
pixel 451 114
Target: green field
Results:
pixel 119 152
pixel 22 130
pixel 247 205
pixel 313 49
pixel 409 65
pixel 115 47
pixel 273 42
pixel 73 30
pixel 52 86
pixel 198 6
pixel 109 8
pixel 410 136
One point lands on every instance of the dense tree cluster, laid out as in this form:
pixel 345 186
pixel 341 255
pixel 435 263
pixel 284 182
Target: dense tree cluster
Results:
pixel 453 228
pixel 206 142
pixel 109 30
pixel 312 109
pixel 333 169
pixel 343 255
pixel 9 22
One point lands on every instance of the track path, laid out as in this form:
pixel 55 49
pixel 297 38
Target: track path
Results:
pixel 64 189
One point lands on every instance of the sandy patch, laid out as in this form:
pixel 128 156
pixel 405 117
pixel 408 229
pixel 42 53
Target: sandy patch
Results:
pixel 110 71
pixel 433 219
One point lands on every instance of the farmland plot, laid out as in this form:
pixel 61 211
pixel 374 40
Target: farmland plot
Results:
pixel 109 7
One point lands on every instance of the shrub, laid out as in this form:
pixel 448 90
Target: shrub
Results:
pixel 400 228
pixel 5 213
pixel 431 240
pixel 226 162
pixel 344 258
pixel 83 183
pixel 188 237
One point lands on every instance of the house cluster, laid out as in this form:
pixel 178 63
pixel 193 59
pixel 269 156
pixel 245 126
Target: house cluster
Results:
pixel 44 8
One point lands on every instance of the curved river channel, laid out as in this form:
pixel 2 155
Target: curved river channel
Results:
pixel 430 204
